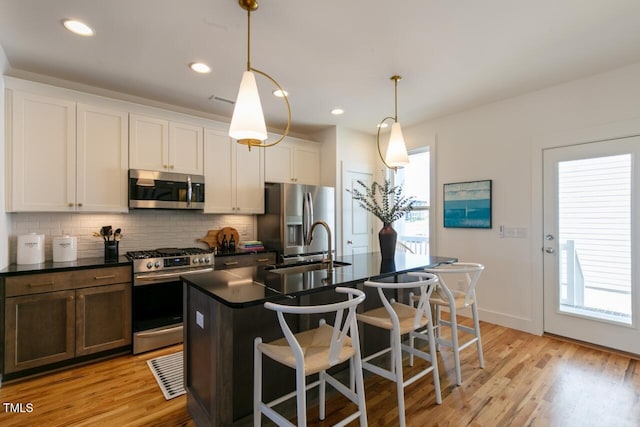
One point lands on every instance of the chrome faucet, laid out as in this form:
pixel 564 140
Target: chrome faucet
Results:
pixel 329 258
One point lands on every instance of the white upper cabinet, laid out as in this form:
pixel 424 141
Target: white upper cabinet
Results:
pixel 234 176
pixel 293 161
pixel 65 156
pixel 163 145
pixel 102 154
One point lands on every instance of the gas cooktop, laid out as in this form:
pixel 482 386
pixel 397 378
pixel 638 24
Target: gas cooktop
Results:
pixel 167 252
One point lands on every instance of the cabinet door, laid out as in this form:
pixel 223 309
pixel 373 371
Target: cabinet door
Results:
pixel 148 143
pixel 43 154
pixel 185 148
pixel 306 164
pixel 278 163
pixel 218 170
pixel 102 159
pixel 40 329
pixel 103 318
pixel 249 179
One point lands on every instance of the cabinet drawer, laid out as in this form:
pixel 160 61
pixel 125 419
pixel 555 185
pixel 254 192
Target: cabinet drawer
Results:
pixel 245 260
pixel 38 283
pixel 50 282
pixel 102 276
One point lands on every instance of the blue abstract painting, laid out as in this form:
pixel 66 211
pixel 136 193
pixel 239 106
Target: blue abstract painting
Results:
pixel 467 204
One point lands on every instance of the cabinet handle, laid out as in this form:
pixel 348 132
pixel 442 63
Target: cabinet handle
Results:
pixel 70 205
pixel 79 205
pixel 113 276
pixel 81 297
pixel 71 298
pixel 231 263
pixel 171 166
pixel 262 260
pixel 35 285
pixel 165 166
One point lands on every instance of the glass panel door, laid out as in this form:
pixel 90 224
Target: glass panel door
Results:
pixel 591 254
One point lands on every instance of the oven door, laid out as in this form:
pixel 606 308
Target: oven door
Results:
pixel 157 309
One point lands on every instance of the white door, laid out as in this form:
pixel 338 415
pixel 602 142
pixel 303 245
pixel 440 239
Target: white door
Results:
pixel 592 242
pixel 356 222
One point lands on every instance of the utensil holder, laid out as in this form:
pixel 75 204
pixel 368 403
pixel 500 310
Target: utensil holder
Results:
pixel 111 251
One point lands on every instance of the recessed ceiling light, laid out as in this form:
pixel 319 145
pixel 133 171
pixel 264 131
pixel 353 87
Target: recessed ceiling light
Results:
pixel 383 125
pixel 337 111
pixel 200 67
pixel 77 27
pixel 280 93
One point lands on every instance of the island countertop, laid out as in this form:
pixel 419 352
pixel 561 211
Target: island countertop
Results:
pixel 249 286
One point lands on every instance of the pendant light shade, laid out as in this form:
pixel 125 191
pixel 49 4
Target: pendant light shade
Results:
pixel 396 149
pixel 247 121
pixel 396 155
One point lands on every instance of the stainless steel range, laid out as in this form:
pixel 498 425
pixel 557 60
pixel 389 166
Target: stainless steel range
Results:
pixel 157 293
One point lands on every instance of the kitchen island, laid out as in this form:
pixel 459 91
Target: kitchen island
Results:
pixel 224 313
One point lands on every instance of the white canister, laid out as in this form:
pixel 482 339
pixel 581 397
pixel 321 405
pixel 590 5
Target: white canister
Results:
pixel 65 248
pixel 30 249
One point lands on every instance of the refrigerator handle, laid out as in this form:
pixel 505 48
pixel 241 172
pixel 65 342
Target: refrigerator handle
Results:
pixel 307 216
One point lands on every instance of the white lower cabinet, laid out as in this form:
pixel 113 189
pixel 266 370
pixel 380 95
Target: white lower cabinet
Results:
pixel 234 176
pixel 65 156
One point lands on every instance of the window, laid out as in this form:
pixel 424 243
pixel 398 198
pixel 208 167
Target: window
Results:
pixel 413 229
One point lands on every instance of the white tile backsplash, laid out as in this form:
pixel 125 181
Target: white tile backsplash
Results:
pixel 141 229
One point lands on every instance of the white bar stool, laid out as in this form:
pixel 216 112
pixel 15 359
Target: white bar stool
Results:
pixel 467 274
pixel 400 319
pixel 310 352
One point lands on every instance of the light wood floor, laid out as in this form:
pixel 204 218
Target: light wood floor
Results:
pixel 527 381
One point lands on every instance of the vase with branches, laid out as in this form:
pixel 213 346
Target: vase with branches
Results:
pixel 387 203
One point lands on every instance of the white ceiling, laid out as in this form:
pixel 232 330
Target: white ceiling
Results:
pixel 452 54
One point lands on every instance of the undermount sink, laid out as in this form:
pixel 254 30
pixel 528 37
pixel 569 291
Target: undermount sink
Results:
pixel 301 268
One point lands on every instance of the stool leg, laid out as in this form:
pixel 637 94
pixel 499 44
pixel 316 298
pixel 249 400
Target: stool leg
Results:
pixel 476 325
pixel 321 393
pixel 257 383
pixel 301 393
pixel 437 325
pixel 356 371
pixel 454 343
pixel 397 356
pixel 434 362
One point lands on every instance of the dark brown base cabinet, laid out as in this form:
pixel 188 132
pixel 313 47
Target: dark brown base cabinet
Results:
pixel 56 317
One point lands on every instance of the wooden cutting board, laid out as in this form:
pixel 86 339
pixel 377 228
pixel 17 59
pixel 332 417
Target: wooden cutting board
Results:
pixel 210 239
pixel 228 231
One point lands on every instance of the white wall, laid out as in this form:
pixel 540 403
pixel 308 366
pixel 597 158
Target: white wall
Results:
pixel 503 141
pixel 4 219
pixel 343 149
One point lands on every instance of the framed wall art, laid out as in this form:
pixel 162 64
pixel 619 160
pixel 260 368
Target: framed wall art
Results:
pixel 467 204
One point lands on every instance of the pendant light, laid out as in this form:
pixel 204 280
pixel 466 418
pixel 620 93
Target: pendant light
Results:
pixel 396 155
pixel 247 123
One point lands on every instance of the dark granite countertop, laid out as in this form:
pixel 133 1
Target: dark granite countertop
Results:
pixel 53 267
pixel 249 286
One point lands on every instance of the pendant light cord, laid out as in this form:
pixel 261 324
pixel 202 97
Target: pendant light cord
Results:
pixel 248 39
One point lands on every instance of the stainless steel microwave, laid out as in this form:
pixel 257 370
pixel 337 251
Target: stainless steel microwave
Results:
pixel 165 190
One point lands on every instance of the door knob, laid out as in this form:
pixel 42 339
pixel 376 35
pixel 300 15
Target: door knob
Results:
pixel 548 237
pixel 349 242
pixel 549 250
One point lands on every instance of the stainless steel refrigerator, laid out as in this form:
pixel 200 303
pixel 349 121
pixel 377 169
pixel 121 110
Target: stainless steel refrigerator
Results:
pixel 290 209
